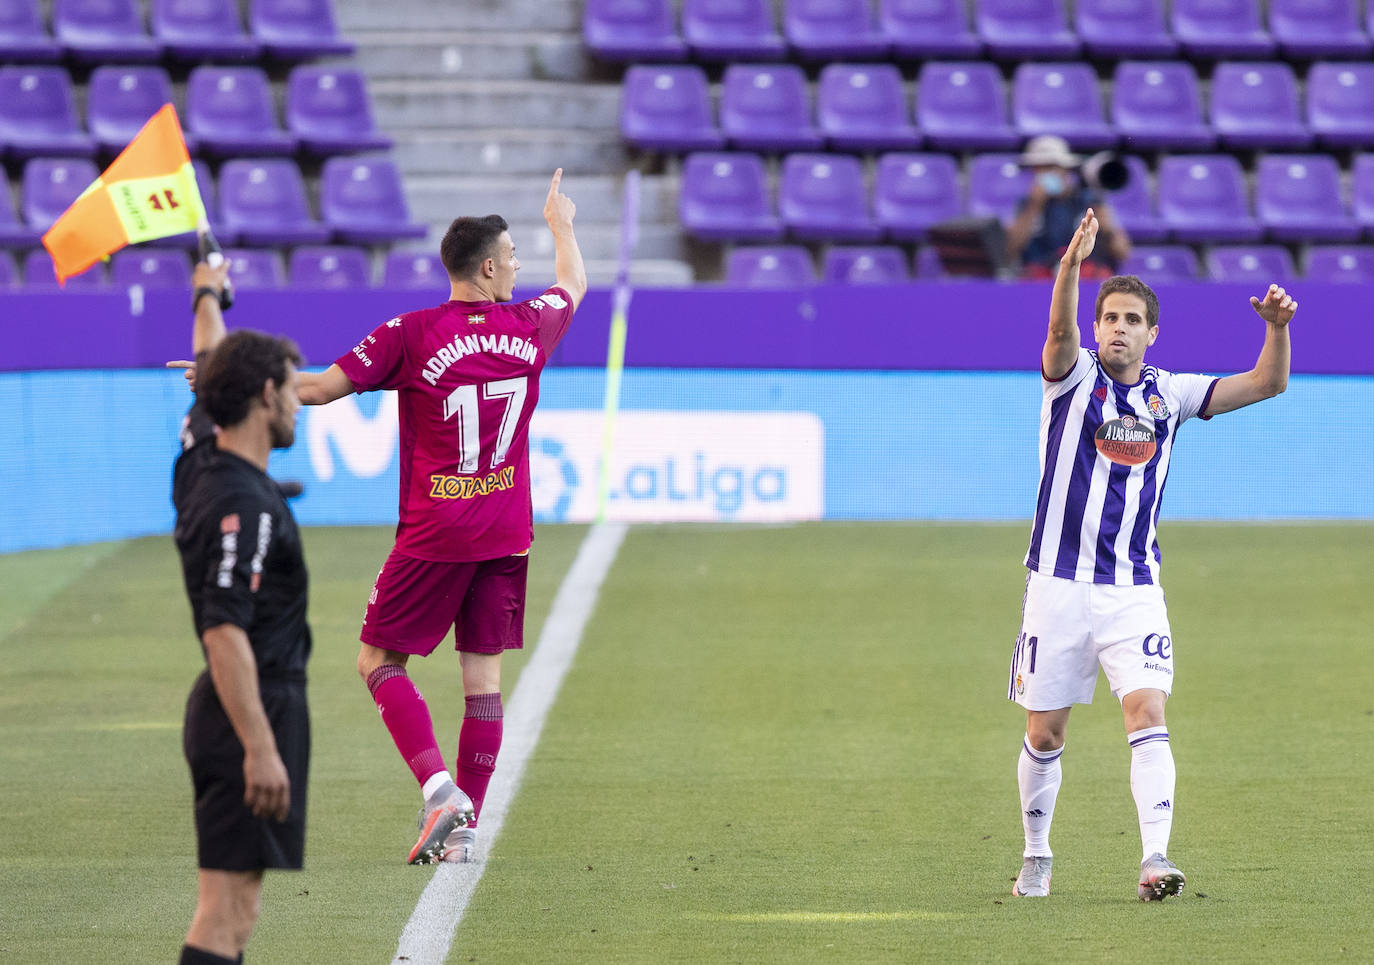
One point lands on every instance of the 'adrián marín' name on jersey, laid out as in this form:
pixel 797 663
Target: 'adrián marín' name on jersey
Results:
pixel 463 345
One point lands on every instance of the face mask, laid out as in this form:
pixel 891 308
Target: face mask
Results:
pixel 1051 181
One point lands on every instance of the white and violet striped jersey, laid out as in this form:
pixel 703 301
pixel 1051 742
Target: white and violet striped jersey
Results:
pixel 1104 456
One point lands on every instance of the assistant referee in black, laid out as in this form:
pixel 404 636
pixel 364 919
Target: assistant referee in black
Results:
pixel 247 732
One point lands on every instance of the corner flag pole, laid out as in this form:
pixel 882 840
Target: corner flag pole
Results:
pixel 615 349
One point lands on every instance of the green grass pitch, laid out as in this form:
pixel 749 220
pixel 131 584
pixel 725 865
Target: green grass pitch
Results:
pixel 783 744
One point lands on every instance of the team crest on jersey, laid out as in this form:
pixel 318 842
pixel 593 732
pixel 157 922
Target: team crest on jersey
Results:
pixel 1100 393
pixel 1126 441
pixel 1157 407
pixel 477 318
pixel 1020 685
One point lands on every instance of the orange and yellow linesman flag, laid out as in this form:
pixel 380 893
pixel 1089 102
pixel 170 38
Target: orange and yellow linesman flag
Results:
pixel 149 192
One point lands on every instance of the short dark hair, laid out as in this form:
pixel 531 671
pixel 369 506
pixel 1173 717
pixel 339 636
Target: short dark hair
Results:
pixel 232 375
pixel 1129 285
pixel 468 242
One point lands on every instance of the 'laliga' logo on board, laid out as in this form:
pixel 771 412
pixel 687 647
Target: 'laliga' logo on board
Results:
pixel 1125 441
pixel 1157 407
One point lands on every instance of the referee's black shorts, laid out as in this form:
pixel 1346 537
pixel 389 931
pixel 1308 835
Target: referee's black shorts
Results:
pixel 228 836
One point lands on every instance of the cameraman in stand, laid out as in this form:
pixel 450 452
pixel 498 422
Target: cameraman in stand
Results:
pixel 1059 195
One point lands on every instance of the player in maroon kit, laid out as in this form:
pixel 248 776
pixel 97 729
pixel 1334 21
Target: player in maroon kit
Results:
pixel 467 373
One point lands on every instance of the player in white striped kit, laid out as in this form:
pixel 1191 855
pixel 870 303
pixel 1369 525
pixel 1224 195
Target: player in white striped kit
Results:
pixel 1107 428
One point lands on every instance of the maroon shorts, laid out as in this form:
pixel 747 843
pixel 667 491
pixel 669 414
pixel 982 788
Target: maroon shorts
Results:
pixel 414 602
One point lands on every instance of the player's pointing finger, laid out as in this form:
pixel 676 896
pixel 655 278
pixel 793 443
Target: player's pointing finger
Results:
pixel 553 185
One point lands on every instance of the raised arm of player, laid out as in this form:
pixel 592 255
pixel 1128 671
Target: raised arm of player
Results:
pixel 319 388
pixel 267 788
pixel 1062 341
pixel 208 330
pixel 567 257
pixel 1269 377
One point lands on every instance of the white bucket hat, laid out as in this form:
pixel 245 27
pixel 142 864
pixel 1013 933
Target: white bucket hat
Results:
pixel 1048 149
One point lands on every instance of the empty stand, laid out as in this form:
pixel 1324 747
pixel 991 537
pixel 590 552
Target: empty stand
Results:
pixel 1162 264
pixel 864 107
pixel 151 268
pixel 1341 264
pixel 1220 28
pixel 1061 99
pixel 1255 264
pixel 1124 28
pixel 328 111
pixel 1318 28
pixel 630 30
pixel 231 111
pixel 726 197
pixel 783 266
pixel 120 100
pixel 1134 204
pixel 878 265
pixel 255 269
pixel 50 187
pixel 962 106
pixel 296 29
pixel 103 31
pixel 199 30
pixel 1340 104
pixel 928 28
pixel 38 113
pixel 415 269
pixel 912 192
pixel 767 108
pixel 1298 198
pixel 1018 29
pixel 330 266
pixel 832 30
pixel 39 273
pixel 729 30
pixel 1255 105
pixel 822 197
pixel 668 108
pixel 362 201
pixel 262 202
pixel 23 37
pixel 1202 197
pixel 996 186
pixel 1157 105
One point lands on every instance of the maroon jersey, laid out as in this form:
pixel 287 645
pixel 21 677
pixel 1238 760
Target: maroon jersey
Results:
pixel 467 374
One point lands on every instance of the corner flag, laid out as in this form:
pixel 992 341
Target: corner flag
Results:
pixel 148 192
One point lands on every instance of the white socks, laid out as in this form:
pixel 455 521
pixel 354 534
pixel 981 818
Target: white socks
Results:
pixel 1152 785
pixel 1039 775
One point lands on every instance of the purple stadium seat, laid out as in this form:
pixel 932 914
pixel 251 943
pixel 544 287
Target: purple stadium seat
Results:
pixel 262 202
pixel 1256 105
pixel 726 197
pixel 832 30
pixel 330 266
pixel 231 112
pixel 9 273
pixel 1362 191
pixel 732 30
pixel 328 111
pixel 38 114
pixel 363 201
pixel 863 107
pixel 120 100
pixel 1061 99
pixel 198 30
pixel 822 197
pixel 254 269
pixel 866 266
pixel 668 108
pixel 1340 104
pixel 415 269
pixel 911 192
pixel 50 187
pixel 767 108
pixel 1220 28
pixel 296 29
pixel 1162 264
pixel 23 38
pixel 928 28
pixel 151 268
pixel 1159 105
pixel 39 273
pixel 1134 204
pixel 1202 197
pixel 1124 28
pixel 1255 264
pixel 1018 29
pixel 928 264
pixel 996 185
pixel 630 30
pixel 782 266
pixel 1298 197
pixel 963 106
pixel 1318 28
pixel 104 31
pixel 14 234
pixel 1340 264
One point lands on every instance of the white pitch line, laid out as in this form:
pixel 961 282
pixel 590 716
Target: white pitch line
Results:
pixel 428 935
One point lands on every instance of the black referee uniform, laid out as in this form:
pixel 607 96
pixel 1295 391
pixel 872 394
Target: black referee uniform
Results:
pixel 242 562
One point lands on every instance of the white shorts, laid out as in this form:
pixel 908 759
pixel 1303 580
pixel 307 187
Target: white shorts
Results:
pixel 1069 628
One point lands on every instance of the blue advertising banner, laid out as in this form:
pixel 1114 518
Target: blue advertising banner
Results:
pixel 87 456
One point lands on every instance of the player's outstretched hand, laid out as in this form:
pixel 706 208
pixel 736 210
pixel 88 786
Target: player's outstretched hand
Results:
pixel 1083 240
pixel 190 368
pixel 1277 308
pixel 558 207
